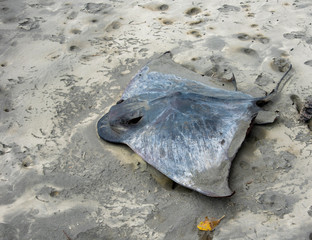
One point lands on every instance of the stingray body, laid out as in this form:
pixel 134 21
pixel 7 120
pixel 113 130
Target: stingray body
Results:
pixel 187 130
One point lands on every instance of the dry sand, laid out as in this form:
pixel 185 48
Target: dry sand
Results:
pixel 64 63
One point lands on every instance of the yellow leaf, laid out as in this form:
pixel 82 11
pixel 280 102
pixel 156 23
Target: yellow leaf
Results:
pixel 209 224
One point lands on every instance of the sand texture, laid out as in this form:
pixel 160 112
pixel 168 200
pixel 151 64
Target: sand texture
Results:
pixel 63 64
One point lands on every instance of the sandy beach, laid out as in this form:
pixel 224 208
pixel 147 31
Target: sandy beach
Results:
pixel 63 64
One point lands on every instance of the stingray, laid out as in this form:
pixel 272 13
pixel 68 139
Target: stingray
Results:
pixel 186 129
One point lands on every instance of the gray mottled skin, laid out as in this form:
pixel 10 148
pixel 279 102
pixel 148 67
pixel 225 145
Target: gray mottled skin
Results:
pixel 187 130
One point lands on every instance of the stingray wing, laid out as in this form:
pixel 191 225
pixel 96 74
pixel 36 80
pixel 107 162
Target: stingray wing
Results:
pixel 193 139
pixel 155 85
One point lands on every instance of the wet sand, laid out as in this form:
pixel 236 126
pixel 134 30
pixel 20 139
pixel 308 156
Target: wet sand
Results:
pixel 64 64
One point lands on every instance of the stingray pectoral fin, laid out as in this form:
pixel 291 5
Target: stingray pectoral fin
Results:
pixel 213 182
pixel 239 136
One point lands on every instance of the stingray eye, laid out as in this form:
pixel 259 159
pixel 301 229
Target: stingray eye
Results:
pixel 125 116
pixel 131 118
pixel 134 120
pixel 129 121
pixel 120 101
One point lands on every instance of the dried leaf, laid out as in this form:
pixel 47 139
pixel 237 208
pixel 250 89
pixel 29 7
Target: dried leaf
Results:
pixel 209 224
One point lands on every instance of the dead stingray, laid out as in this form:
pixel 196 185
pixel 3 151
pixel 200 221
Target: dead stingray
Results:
pixel 187 130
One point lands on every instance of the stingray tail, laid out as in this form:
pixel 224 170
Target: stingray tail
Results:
pixel 281 83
